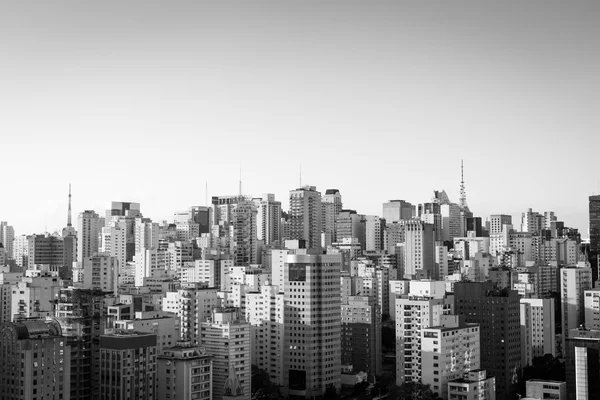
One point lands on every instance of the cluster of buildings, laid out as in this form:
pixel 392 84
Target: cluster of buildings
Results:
pixel 124 307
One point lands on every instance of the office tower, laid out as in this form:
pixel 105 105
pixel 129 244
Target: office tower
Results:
pixel 268 220
pixel 114 238
pixel 573 284
pixel 393 235
pixel 245 246
pixel 82 318
pixel 531 221
pixel 474 385
pixel 33 297
pixel 184 372
pixel 428 208
pixel 45 249
pixel 226 335
pixel 474 225
pixel 264 313
pixel 35 361
pixel 419 248
pixel 7 235
pixel 128 366
pixel 361 335
pixel 541 327
pixel 200 215
pixel 122 209
pixel 582 364
pixel 305 216
pixel 497 222
pixel 497 313
pixel 312 355
pixel 448 351
pixel 89 227
pixel 223 208
pixel 398 210
pixel 451 221
pixel 192 306
pixel 350 225
pixel 101 271
pixel 331 206
pixel 374 233
pixel 422 308
pixel 594 211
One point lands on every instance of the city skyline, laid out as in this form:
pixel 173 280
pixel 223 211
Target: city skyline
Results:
pixel 380 101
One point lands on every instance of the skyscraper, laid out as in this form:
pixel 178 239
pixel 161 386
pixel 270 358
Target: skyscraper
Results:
pixel 312 358
pixel 7 235
pixel 374 232
pixel 268 219
pixel 574 281
pixel 398 210
pixel 497 313
pixel 245 246
pixel 582 364
pixel 419 247
pixel 594 223
pixel 305 216
pixel 331 205
pixel 89 226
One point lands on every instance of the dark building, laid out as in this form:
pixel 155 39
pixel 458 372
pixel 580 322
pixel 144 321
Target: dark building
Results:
pixel 582 364
pixel 594 233
pixel 497 311
pixel 81 315
pixel 474 225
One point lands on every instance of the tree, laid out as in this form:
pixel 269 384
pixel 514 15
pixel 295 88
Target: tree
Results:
pixel 547 368
pixel 411 391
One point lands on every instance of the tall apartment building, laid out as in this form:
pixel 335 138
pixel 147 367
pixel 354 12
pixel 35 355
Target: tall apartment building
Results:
pixel 447 352
pixel 398 210
pixel 436 221
pixel 592 308
pixel 305 216
pixel 361 335
pixel 451 221
pixel 497 313
pixel 192 306
pixel 89 226
pixel 574 282
pixel 268 220
pixel 200 215
pixel 114 240
pixel 128 366
pixel 374 228
pixel 532 222
pixel 122 209
pixel 350 225
pixel 245 246
pixel 101 271
pixel 226 335
pixel 146 235
pixel 474 385
pixel 82 318
pixel 33 296
pixel 538 332
pixel 264 313
pixel 312 355
pixel 419 248
pixel 35 361
pixel 497 222
pixel 582 364
pixel 331 206
pixel 7 235
pixel 45 249
pixel 184 372
pixel 20 251
pixel 415 312
pixel 594 213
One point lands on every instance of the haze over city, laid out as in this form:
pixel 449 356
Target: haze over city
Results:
pixel 147 101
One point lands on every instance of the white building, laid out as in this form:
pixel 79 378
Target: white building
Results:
pixel 33 297
pixel 305 216
pixel 419 248
pixel 101 271
pixel 573 284
pixel 7 236
pixel 538 332
pixel 474 385
pixel 268 219
pixel 374 227
pixel 592 308
pixel 166 328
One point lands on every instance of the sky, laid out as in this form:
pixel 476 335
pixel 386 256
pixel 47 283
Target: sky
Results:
pixel 153 101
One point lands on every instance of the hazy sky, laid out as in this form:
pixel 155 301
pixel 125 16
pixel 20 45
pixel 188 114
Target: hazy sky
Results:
pixel 147 100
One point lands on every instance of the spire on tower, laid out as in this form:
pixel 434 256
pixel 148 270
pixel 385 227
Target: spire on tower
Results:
pixel 463 193
pixel 69 213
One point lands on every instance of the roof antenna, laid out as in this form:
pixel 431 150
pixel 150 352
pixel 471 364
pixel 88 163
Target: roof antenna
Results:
pixel 69 214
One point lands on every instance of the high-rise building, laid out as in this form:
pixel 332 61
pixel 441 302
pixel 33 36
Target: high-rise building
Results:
pixel 101 271
pixel 451 221
pixel 7 235
pixel 312 352
pixel 146 235
pixel 128 366
pixel 35 361
pixel 331 206
pixel 361 335
pixel 573 284
pixel 592 308
pixel 184 372
pixel 245 246
pixel 268 220
pixel 398 210
pixel 582 364
pixel 45 249
pixel 544 389
pixel 532 221
pixel 594 210
pixel 20 251
pixel 226 335
pixel 374 232
pixel 447 352
pixel 122 209
pixel 350 225
pixel 33 297
pixel 497 313
pixel 497 222
pixel 264 313
pixel 305 216
pixel 538 321
pixel 419 247
pixel 89 227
